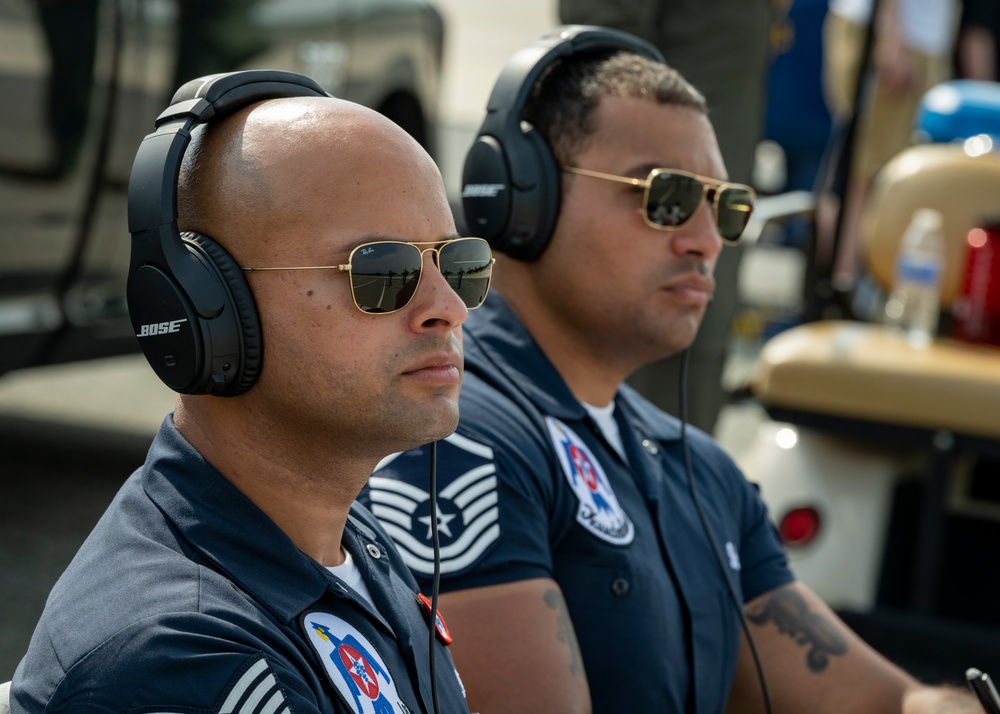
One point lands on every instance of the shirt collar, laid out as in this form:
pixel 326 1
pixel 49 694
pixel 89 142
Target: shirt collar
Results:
pixel 647 418
pixel 215 519
pixel 496 336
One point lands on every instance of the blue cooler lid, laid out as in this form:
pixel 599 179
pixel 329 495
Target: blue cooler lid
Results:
pixel 958 109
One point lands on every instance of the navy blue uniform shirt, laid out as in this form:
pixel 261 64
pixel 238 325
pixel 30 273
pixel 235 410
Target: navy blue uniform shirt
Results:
pixel 187 599
pixel 530 488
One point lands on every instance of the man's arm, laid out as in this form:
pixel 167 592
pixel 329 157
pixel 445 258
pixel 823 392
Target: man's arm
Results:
pixel 515 648
pixel 813 662
pixel 892 59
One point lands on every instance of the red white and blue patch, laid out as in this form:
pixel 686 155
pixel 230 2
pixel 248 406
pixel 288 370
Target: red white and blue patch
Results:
pixel 353 665
pixel 443 633
pixel 599 511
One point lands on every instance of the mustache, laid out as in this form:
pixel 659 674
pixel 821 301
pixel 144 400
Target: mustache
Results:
pixel 427 344
pixel 690 264
pixel 694 271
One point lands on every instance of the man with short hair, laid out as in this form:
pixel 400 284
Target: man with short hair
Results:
pixel 725 53
pixel 234 572
pixel 596 553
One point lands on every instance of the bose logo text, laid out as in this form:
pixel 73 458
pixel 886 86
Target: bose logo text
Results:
pixel 482 190
pixel 160 328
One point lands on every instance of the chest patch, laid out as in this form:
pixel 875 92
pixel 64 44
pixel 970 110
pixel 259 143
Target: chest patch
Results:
pixel 599 511
pixel 353 665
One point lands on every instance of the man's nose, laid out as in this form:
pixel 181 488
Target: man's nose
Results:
pixel 436 304
pixel 700 236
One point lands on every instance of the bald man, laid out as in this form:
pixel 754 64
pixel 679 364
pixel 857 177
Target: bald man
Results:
pixel 234 572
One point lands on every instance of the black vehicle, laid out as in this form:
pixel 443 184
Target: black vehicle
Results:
pixel 83 81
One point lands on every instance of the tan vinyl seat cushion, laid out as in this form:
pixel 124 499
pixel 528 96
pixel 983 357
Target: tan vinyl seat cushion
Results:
pixel 870 372
pixel 867 371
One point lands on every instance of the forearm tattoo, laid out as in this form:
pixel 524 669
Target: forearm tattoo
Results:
pixel 790 614
pixel 565 633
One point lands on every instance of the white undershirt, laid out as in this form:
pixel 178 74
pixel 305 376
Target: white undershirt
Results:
pixel 349 573
pixel 605 418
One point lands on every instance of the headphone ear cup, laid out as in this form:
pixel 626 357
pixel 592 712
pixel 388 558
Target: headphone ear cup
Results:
pixel 487 192
pixel 511 180
pixel 244 309
pixel 191 307
pixel 510 192
pixel 538 206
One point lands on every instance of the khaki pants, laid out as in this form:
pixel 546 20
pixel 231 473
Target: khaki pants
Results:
pixel 886 124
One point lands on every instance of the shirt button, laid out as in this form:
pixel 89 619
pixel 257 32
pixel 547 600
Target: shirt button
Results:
pixel 373 551
pixel 650 446
pixel 619 586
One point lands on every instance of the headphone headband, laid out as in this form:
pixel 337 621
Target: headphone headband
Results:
pixel 188 301
pixel 510 189
pixel 199 101
pixel 523 69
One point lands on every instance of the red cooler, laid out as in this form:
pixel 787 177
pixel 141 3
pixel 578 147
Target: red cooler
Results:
pixel 976 310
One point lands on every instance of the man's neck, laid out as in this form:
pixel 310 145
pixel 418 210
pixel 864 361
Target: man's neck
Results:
pixel 593 377
pixel 306 492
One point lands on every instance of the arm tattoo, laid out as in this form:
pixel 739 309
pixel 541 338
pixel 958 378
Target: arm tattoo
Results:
pixel 565 633
pixel 790 614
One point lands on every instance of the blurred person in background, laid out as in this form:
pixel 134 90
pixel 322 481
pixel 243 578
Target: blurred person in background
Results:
pixel 976 55
pixel 896 58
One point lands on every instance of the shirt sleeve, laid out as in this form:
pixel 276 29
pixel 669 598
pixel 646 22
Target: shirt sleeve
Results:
pixel 179 663
pixel 743 515
pixel 765 564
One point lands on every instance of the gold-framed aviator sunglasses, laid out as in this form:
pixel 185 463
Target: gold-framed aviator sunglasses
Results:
pixel 672 197
pixel 385 274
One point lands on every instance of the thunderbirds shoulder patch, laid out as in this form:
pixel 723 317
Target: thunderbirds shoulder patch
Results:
pixel 599 511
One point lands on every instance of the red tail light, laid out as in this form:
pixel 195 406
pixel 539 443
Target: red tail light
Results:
pixel 799 526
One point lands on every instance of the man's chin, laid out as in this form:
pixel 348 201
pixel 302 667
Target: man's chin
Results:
pixel 671 340
pixel 441 423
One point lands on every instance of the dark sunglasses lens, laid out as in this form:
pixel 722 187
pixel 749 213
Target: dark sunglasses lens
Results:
pixel 735 207
pixel 672 199
pixel 384 276
pixel 467 265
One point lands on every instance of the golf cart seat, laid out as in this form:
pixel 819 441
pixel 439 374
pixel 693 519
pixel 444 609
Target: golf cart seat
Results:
pixel 848 372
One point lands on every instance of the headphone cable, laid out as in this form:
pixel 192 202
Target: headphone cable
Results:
pixel 682 403
pixel 436 578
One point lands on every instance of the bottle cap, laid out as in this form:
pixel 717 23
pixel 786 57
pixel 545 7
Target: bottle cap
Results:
pixel 927 218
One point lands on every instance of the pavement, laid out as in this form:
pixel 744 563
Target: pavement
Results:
pixel 117 395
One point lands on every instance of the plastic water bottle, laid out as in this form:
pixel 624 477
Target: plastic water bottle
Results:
pixel 914 304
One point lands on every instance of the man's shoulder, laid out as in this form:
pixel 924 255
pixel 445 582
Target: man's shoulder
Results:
pixel 475 469
pixel 710 460
pixel 129 610
pixel 149 666
pixel 131 576
pixel 494 412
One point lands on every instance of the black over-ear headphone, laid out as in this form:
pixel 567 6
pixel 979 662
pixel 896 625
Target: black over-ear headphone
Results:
pixel 192 310
pixel 510 184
